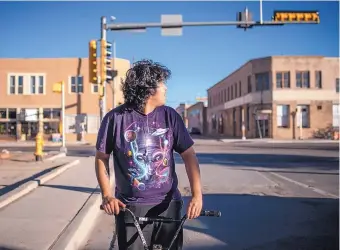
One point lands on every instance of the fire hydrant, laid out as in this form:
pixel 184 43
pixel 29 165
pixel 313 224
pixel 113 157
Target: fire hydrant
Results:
pixel 39 143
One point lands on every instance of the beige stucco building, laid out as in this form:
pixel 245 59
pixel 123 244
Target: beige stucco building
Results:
pixel 26 85
pixel 182 111
pixel 265 93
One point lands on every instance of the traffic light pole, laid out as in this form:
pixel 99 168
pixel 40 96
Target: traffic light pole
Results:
pixel 140 26
pixel 102 82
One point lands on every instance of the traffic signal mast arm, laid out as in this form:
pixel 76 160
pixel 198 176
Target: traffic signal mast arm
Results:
pixel 243 20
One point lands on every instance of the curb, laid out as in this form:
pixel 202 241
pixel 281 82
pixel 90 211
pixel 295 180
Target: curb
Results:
pixel 31 185
pixel 60 155
pixel 75 234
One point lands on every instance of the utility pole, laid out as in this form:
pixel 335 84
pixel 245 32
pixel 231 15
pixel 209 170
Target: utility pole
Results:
pixel 115 74
pixel 102 96
pixel 105 67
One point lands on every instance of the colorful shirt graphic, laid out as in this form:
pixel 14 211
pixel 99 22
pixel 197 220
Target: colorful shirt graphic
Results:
pixel 142 147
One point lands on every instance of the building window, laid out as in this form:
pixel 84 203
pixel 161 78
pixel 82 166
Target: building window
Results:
pixel 282 116
pixel 3 113
pixel 304 116
pixel 337 83
pixel 37 84
pixel 41 84
pixel 51 113
pixel 249 84
pixel 225 95
pixel 318 79
pixel 77 84
pixel 33 85
pixel 282 80
pixel 239 89
pixel 51 128
pixel 302 79
pixel 8 129
pixel 12 114
pixel 12 85
pixel 20 84
pixel 235 88
pixel 228 94
pixel 231 93
pixel 26 84
pixel 262 81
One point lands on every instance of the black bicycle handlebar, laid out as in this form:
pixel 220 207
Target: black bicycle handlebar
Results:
pixel 137 220
pixel 210 213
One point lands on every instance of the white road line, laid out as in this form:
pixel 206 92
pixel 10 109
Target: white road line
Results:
pixel 268 179
pixel 317 190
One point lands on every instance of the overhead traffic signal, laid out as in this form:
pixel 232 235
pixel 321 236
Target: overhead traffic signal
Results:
pixel 93 78
pixel 245 16
pixel 296 16
pixel 105 60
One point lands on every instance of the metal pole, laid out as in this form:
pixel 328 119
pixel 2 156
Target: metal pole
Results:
pixel 63 147
pixel 103 82
pixel 114 68
pixel 261 16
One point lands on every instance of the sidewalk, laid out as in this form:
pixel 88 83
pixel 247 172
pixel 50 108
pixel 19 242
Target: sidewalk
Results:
pixel 4 144
pixel 37 220
pixel 268 140
pixel 20 168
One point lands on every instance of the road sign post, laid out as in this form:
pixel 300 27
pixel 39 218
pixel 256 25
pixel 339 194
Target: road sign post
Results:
pixel 59 87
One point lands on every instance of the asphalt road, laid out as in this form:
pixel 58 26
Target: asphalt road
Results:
pixel 272 196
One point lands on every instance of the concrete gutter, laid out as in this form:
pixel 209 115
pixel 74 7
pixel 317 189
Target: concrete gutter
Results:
pixel 33 184
pixel 79 228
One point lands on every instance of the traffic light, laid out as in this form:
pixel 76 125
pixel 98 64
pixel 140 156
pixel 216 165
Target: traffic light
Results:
pixel 105 60
pixel 93 62
pixel 245 16
pixel 296 16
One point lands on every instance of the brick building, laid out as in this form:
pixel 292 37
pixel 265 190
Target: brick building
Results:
pixel 264 94
pixel 26 86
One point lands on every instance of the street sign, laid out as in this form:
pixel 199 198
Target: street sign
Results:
pixel 171 19
pixel 57 87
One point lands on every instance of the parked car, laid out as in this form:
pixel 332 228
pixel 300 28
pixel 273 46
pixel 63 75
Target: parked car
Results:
pixel 194 131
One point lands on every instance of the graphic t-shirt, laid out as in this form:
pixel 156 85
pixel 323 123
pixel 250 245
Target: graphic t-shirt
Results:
pixel 143 148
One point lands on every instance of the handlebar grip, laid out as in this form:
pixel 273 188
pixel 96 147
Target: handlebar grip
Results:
pixel 211 213
pixel 121 208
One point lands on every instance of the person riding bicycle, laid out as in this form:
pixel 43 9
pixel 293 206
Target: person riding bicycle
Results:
pixel 142 134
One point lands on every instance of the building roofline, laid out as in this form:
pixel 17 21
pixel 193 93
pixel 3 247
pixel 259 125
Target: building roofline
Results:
pixel 268 57
pixel 236 70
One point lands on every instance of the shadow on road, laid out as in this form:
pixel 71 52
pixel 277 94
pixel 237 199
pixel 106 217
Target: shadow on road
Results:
pixel 10 248
pixel 74 188
pixel 266 222
pixel 267 160
pixel 13 186
pixel 270 146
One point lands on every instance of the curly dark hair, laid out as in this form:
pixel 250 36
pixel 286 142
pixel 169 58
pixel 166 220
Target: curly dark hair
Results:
pixel 142 81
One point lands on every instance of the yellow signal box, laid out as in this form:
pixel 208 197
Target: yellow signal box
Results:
pixel 93 78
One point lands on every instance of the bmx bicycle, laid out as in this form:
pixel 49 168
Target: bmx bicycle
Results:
pixel 137 220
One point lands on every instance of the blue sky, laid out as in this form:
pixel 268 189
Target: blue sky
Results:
pixel 198 59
